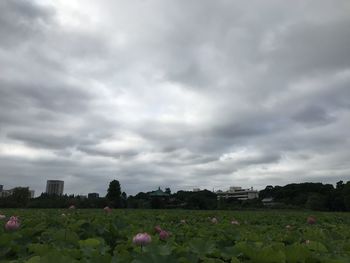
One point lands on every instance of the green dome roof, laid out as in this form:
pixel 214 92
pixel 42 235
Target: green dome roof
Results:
pixel 159 192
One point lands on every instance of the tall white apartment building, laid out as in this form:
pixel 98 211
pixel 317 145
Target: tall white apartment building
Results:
pixel 54 187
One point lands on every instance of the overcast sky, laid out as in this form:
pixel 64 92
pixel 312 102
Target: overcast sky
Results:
pixel 180 94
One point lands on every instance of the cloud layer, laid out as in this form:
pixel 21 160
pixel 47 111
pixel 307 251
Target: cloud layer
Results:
pixel 173 93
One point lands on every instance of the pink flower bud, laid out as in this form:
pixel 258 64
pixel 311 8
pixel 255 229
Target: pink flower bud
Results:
pixel 107 209
pixel 14 218
pixel 164 235
pixel 12 225
pixel 158 229
pixel 234 222
pixel 142 239
pixel 311 220
pixel 214 220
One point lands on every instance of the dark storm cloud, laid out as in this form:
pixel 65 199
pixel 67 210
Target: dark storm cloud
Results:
pixel 179 94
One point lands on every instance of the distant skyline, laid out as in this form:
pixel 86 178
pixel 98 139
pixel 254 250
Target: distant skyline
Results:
pixel 181 94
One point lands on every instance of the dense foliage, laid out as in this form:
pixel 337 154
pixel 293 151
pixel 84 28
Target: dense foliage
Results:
pixel 54 201
pixel 315 196
pixel 114 193
pixel 19 198
pixel 73 235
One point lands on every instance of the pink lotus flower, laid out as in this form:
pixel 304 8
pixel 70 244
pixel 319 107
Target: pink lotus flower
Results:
pixel 158 229
pixel 214 220
pixel 71 207
pixel 164 235
pixel 142 239
pixel 107 209
pixel 2 216
pixel 14 218
pixel 311 220
pixel 12 224
pixel 234 222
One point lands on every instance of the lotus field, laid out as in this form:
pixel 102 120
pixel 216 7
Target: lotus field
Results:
pixel 111 235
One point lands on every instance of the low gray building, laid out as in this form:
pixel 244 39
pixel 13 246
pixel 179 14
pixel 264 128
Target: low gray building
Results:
pixel 93 195
pixel 238 193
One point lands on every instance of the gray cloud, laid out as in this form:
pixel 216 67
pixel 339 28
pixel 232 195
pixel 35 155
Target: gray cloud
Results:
pixel 114 154
pixel 42 140
pixel 313 115
pixel 21 20
pixel 179 94
pixel 314 47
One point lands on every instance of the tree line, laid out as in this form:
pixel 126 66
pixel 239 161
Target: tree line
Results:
pixel 314 196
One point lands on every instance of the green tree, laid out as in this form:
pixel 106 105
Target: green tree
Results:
pixel 124 198
pixel 346 195
pixel 168 191
pixel 114 193
pixel 21 196
pixel 340 185
pixel 316 201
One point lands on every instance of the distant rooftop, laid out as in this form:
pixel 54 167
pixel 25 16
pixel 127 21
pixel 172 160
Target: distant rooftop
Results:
pixel 159 193
pixel 54 181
